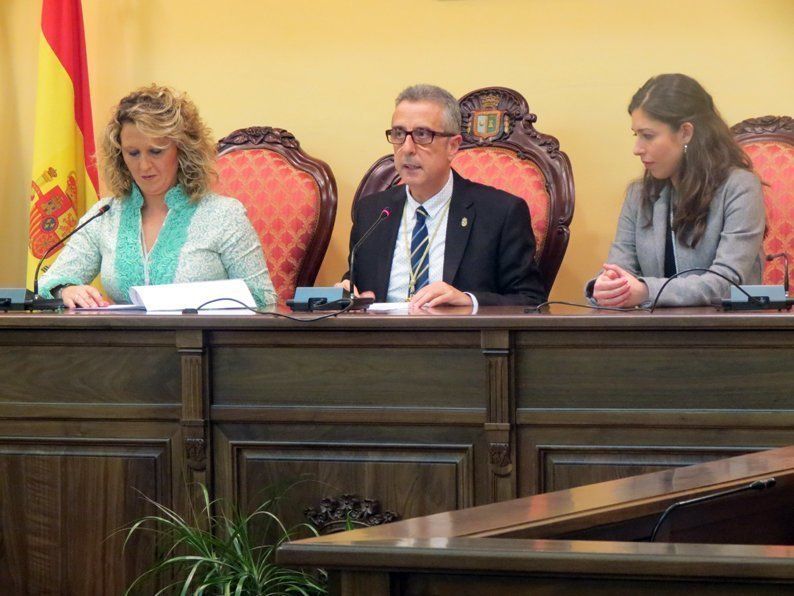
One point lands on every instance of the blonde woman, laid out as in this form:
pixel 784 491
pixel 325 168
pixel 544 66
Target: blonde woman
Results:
pixel 164 224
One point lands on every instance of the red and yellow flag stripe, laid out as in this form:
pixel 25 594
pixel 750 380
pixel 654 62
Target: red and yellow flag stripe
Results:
pixel 64 182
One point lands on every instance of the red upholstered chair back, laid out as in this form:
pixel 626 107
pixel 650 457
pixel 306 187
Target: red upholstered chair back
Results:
pixel 501 148
pixel 290 198
pixel 769 141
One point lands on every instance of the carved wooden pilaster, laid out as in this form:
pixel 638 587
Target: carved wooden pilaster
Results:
pixel 499 417
pixel 195 411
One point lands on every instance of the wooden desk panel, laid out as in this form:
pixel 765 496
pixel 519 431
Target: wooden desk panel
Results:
pixel 348 376
pixel 423 413
pixel 515 547
pixel 655 369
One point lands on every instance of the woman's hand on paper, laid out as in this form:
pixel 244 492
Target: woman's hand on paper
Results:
pixel 82 297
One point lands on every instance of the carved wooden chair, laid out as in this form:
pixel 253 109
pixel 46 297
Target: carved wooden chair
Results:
pixel 290 198
pixel 501 148
pixel 769 141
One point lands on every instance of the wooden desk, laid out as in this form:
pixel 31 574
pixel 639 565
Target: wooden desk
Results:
pixel 423 413
pixel 515 547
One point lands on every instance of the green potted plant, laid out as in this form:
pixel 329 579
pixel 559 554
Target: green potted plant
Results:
pixel 223 552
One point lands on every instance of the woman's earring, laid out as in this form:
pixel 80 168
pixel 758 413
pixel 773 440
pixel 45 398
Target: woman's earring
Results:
pixel 685 147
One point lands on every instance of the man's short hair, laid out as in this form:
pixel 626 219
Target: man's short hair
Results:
pixel 437 95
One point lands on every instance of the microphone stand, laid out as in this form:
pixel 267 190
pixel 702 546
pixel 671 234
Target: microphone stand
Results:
pixel 756 485
pixel 362 302
pixel 39 303
pixel 784 256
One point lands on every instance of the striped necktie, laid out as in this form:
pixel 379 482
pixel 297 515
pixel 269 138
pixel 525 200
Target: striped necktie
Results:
pixel 420 256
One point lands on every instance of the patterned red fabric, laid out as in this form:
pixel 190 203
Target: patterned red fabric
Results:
pixel 503 169
pixel 774 164
pixel 283 204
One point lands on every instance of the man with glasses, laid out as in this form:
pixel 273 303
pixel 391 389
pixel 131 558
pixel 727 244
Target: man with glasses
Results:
pixel 447 240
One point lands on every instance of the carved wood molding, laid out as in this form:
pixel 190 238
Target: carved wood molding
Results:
pixel 505 108
pixel 764 125
pixel 499 454
pixel 195 449
pixel 195 406
pixel 496 348
pixel 258 135
pixel 516 118
pixel 334 514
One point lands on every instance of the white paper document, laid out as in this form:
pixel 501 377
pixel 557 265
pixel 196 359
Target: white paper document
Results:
pixel 389 307
pixel 176 297
pixel 118 307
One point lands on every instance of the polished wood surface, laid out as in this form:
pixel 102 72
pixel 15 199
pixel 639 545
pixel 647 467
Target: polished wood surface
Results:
pixel 424 413
pixel 486 550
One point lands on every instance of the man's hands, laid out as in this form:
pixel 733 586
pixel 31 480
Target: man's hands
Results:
pixel 617 287
pixel 345 283
pixel 82 297
pixel 439 293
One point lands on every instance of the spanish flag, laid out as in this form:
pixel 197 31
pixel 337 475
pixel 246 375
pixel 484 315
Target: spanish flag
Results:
pixel 64 182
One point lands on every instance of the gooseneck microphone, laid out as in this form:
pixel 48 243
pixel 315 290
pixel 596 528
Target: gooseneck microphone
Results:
pixel 102 210
pixel 784 256
pixel 384 214
pixel 755 485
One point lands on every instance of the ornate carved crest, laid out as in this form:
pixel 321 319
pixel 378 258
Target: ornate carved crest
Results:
pixel 764 125
pixel 490 115
pixel 196 452
pixel 257 135
pixel 489 122
pixel 336 514
pixel 500 454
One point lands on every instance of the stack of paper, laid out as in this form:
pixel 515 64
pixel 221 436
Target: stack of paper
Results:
pixel 174 298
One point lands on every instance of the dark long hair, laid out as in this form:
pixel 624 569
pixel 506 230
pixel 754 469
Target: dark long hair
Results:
pixel 711 154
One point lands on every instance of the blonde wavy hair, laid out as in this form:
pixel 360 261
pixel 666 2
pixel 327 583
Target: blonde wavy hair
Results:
pixel 159 111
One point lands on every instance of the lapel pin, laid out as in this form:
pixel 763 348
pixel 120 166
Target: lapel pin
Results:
pixel 464 222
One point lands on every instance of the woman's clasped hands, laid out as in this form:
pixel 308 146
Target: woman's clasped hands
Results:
pixel 616 287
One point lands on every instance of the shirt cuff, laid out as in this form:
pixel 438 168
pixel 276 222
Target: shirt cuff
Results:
pixel 474 303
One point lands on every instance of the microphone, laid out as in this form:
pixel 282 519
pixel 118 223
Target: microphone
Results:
pixel 755 485
pixel 359 302
pixel 784 256
pixel 102 210
pixel 762 296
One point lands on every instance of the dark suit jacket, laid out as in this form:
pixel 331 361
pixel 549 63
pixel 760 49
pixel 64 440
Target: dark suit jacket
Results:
pixel 492 256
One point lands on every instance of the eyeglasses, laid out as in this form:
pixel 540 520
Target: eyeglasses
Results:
pixel 420 136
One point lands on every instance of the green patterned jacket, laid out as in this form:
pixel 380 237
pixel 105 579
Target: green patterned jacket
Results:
pixel 199 241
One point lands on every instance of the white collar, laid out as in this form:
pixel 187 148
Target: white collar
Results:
pixel 435 203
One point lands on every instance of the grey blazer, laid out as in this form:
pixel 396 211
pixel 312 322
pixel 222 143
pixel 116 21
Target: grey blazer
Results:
pixel 731 244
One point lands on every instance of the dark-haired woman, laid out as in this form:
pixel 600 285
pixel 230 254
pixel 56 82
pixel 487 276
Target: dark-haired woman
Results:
pixel 698 205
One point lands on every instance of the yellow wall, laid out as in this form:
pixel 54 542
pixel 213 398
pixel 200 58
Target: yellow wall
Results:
pixel 328 71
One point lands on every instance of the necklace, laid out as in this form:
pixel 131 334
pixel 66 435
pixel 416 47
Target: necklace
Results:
pixel 414 274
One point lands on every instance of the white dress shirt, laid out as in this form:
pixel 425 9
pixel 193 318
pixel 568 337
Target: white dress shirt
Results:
pixel 436 221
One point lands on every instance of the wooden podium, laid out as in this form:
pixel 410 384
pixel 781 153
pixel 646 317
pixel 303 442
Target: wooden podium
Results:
pixel 422 413
pixel 588 540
